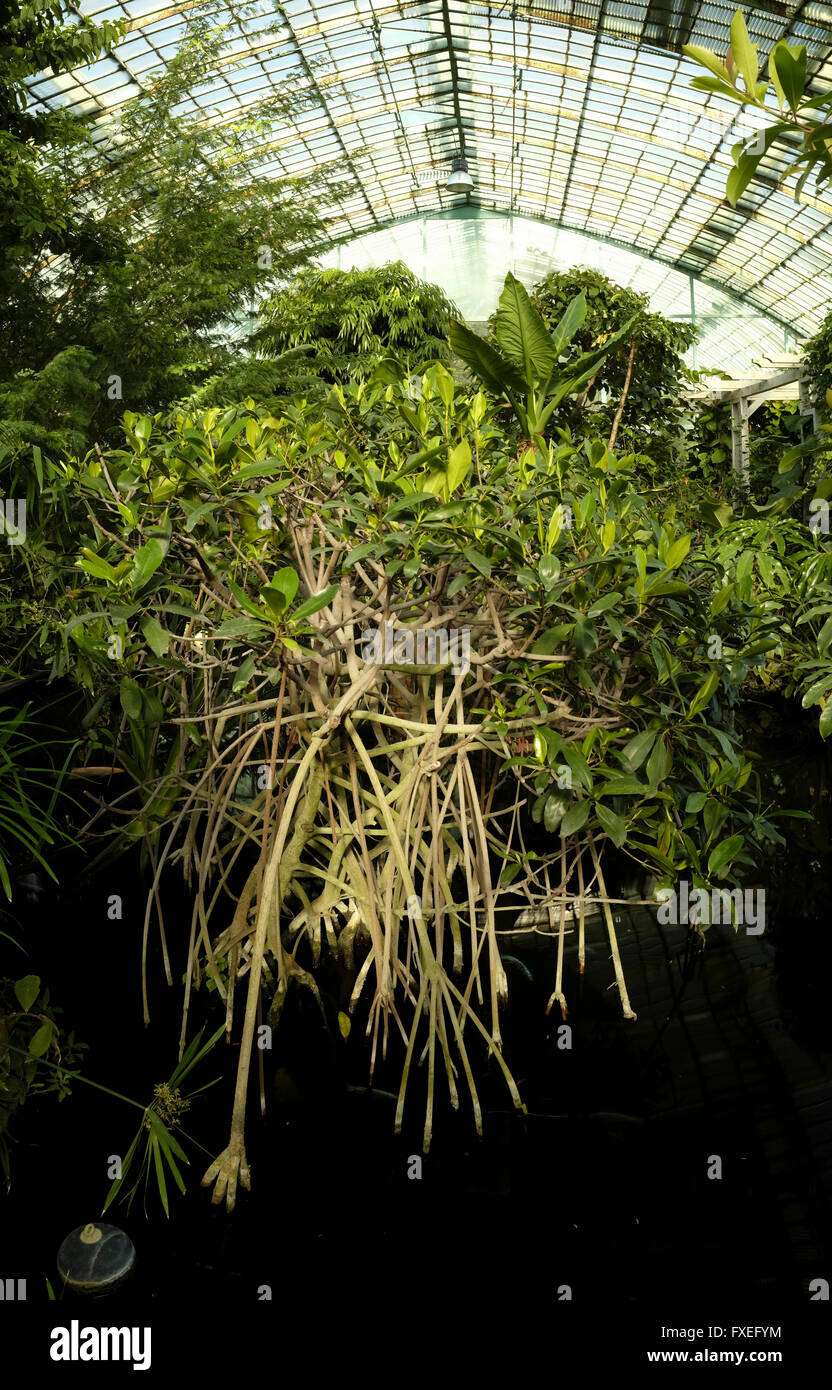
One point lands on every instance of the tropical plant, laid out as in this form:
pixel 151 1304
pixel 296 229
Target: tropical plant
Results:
pixel 143 303
pixel 364 790
pixel 36 1060
pixel 637 387
pixel 523 366
pixel 29 1033
pixel 271 382
pixel 155 1147
pixel 817 361
pixel 27 825
pixel 347 318
pixel 37 215
pixel 794 113
pixel 706 447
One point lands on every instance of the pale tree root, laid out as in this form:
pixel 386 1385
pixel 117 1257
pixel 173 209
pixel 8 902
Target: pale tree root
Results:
pixel 231 1165
pixel 226 1171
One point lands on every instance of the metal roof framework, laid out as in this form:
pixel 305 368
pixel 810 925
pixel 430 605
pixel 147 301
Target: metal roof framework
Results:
pixel 577 112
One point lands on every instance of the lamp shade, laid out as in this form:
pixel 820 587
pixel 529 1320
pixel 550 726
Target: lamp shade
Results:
pixel 459 180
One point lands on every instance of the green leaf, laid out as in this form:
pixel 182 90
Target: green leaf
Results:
pixel 612 824
pixel 285 584
pixel 578 764
pixel 704 694
pixel 787 66
pixel 585 638
pixel 489 365
pixel 633 753
pixel 152 708
pixel 131 697
pixel 522 334
pixel 315 603
pixel 658 764
pixel 554 811
pixel 246 628
pixel 243 598
pixel 274 600
pixel 817 691
pixel 602 604
pixel 724 852
pixel 721 599
pixel 459 464
pixel 745 52
pixel 93 564
pixel 713 84
pixel 42 1040
pixel 571 320
pixel 548 569
pixel 740 177
pixel 825 724
pixel 676 552
pixel 200 513
pixel 709 60
pixel 695 802
pixel 160 1174
pixel 551 640
pixel 27 991
pixel 155 636
pixel 243 674
pixel 478 560
pixel 575 818
pixel 623 786
pixel 147 561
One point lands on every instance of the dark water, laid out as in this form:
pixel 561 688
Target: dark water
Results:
pixel 601 1187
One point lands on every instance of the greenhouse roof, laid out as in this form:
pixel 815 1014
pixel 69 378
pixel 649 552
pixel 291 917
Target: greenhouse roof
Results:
pixel 576 112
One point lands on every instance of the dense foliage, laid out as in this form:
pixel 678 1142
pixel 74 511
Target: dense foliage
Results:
pixel 347 318
pixel 128 289
pixel 364 796
pixel 37 215
pixel 650 386
pixel 817 355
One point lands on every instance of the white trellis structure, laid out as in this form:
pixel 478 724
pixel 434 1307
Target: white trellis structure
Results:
pixel 777 379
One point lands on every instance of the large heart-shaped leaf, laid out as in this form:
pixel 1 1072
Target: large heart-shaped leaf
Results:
pixel 522 334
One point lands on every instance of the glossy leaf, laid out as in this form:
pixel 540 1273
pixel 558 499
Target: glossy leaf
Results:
pixel 724 853
pixel 522 334
pixel 155 635
pixel 576 817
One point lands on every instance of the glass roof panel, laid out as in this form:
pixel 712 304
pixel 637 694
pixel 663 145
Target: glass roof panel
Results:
pixel 468 253
pixel 575 112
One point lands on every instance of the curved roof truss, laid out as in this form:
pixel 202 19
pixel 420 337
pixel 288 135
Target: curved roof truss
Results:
pixel 578 112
